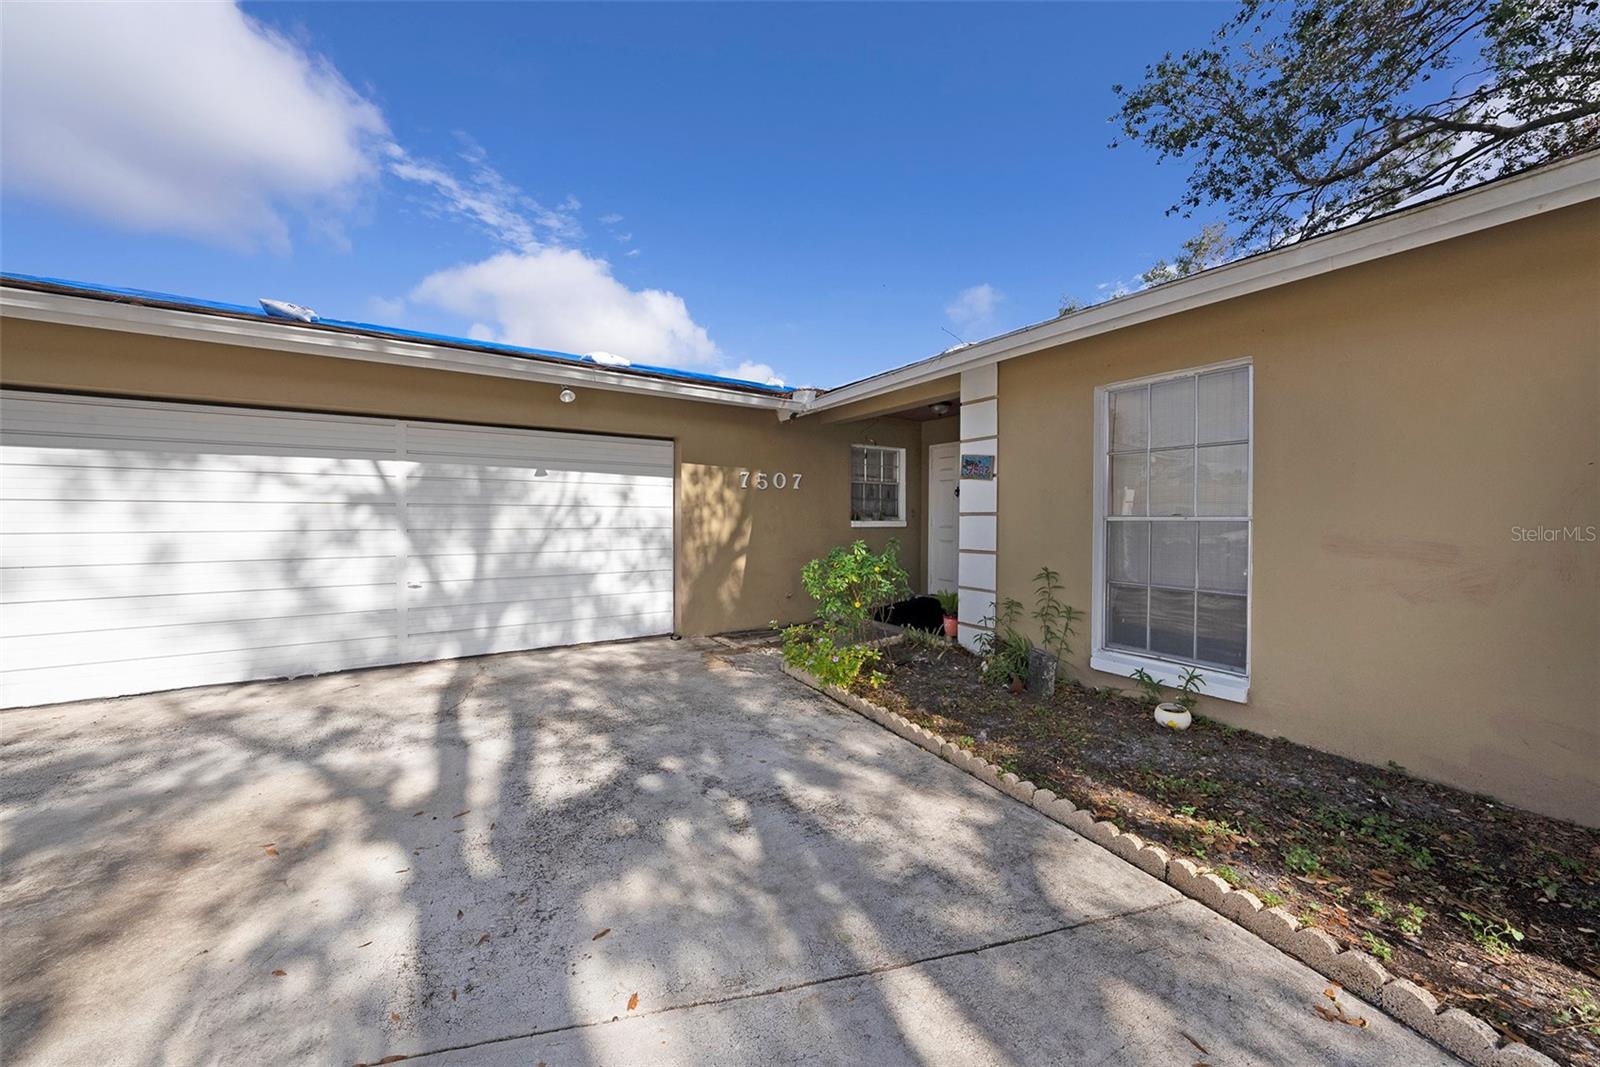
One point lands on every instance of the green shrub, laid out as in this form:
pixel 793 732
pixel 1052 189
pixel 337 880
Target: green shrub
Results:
pixel 832 661
pixel 1005 650
pixel 949 600
pixel 851 583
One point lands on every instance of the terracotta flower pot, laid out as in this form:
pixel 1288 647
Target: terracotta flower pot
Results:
pixel 949 625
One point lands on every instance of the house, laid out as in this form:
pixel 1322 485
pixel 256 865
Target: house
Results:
pixel 1352 481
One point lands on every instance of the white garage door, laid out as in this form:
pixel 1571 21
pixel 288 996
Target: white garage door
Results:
pixel 148 546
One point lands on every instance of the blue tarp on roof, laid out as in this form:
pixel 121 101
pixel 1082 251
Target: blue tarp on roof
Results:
pixel 254 311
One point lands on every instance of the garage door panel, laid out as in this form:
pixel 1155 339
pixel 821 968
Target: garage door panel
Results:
pixel 239 635
pixel 546 633
pixel 33 420
pixel 209 609
pixel 490 589
pixel 532 519
pixel 180 546
pixel 637 492
pixel 66 584
pixel 311 521
pixel 82 482
pixel 156 545
pixel 53 684
pixel 489 446
pixel 462 566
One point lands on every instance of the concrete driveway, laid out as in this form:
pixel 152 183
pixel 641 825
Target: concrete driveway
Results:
pixel 639 853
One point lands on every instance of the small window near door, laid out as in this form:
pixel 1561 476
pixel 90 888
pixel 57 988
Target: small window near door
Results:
pixel 877 486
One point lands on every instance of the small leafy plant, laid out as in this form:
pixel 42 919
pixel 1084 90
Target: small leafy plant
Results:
pixel 1005 649
pixel 1491 934
pixel 934 646
pixel 949 600
pixel 1149 688
pixel 1151 691
pixel 1410 921
pixel 851 583
pixel 1302 860
pixel 1057 621
pixel 1377 946
pixel 832 662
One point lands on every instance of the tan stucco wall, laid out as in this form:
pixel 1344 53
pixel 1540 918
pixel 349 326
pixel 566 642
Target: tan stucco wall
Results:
pixel 1408 414
pixel 739 551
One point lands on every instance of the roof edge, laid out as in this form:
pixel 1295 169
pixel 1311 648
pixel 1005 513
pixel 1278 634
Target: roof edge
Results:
pixel 155 314
pixel 1532 192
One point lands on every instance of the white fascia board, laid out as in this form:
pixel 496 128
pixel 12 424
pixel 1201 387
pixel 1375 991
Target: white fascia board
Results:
pixel 70 310
pixel 1546 189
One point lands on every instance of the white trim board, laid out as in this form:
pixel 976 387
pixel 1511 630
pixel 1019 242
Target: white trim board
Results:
pixel 74 310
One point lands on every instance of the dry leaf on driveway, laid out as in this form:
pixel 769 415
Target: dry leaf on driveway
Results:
pixel 601 934
pixel 633 1002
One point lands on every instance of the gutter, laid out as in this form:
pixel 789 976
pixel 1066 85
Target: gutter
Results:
pixel 42 300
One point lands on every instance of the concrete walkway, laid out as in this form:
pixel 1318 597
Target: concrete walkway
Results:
pixel 641 853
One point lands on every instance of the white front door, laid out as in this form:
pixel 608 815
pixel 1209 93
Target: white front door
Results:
pixel 942 547
pixel 149 546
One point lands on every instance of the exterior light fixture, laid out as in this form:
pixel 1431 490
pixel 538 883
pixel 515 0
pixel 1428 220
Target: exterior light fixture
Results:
pixel 941 408
pixel 568 396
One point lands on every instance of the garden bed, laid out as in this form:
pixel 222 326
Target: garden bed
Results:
pixel 1494 909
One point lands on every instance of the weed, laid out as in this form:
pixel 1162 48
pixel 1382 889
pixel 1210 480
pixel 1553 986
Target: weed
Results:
pixel 1490 934
pixel 1584 1014
pixel 1377 946
pixel 1302 860
pixel 1269 899
pixel 1375 904
pixel 967 741
pixel 1231 876
pixel 934 646
pixel 1186 810
pixel 1410 923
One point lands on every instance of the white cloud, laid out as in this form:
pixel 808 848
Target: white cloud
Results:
pixel 630 253
pixel 611 219
pixel 753 372
pixel 484 197
pixel 974 305
pixel 565 299
pixel 184 118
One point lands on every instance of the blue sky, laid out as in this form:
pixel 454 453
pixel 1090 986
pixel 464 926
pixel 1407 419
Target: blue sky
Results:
pixel 818 190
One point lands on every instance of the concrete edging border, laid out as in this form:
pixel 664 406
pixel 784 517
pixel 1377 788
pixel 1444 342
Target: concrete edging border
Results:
pixel 1457 1031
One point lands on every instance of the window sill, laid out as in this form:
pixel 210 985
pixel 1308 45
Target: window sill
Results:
pixel 877 522
pixel 1231 687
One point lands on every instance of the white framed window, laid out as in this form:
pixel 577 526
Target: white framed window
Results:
pixel 877 486
pixel 1172 527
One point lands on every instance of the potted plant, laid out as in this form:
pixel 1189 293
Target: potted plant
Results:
pixel 949 601
pixel 1174 714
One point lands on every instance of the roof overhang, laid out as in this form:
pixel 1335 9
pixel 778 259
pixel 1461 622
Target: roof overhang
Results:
pixel 1546 188
pixel 68 309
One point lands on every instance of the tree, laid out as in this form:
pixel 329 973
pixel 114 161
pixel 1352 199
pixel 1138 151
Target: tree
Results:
pixel 1069 304
pixel 1208 248
pixel 1304 115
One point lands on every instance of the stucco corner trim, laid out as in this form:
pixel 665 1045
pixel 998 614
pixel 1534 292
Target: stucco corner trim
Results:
pixel 1457 1031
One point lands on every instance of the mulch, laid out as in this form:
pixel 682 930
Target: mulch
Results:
pixel 1436 882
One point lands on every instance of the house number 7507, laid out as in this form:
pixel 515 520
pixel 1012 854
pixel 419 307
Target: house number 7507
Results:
pixel 763 480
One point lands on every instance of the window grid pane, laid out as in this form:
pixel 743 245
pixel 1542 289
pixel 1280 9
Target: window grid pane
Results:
pixel 874 484
pixel 1177 533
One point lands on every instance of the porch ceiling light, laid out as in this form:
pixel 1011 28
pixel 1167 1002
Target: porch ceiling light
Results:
pixel 941 408
pixel 568 396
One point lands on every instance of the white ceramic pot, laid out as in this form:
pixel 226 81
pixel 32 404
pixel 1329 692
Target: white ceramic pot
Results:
pixel 1173 716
